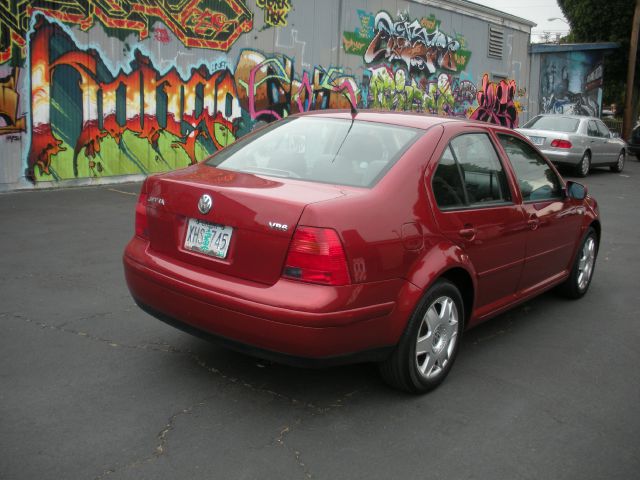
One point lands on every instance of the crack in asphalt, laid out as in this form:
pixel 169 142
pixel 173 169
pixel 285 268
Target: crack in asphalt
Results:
pixel 280 440
pixel 160 449
pixel 162 442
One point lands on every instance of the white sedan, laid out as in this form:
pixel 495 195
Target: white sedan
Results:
pixel 576 141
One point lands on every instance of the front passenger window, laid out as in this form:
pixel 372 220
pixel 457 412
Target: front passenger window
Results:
pixel 603 130
pixel 537 180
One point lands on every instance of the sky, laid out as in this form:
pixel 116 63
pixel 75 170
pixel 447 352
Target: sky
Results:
pixel 538 11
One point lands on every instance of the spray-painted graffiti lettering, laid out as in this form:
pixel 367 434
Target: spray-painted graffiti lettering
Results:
pixel 496 103
pixel 78 109
pixel 275 11
pixel 161 35
pixel 356 42
pixel 196 23
pixel 96 112
pixel 393 90
pixel 411 43
pixel 89 121
pixel 269 90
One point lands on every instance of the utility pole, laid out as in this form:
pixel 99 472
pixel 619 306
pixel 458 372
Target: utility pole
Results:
pixel 627 122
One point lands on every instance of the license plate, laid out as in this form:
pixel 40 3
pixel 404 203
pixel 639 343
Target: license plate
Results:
pixel 537 140
pixel 208 238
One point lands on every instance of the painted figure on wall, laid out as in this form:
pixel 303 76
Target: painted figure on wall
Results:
pixel 571 83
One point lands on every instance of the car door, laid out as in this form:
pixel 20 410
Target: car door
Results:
pixel 475 208
pixel 611 149
pixel 553 219
pixel 597 143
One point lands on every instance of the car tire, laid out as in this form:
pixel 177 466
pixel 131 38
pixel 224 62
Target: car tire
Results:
pixel 619 165
pixel 583 167
pixel 429 345
pixel 583 266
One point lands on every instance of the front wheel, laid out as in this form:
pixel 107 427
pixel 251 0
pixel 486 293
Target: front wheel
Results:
pixel 429 345
pixel 619 165
pixel 582 271
pixel 582 169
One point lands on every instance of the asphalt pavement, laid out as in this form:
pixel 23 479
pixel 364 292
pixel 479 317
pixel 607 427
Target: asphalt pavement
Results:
pixel 93 388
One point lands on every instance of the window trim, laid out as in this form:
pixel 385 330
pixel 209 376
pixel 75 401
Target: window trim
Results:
pixel 467 205
pixel 515 174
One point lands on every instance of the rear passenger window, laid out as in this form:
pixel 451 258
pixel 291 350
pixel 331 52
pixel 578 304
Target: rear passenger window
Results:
pixel 447 183
pixel 470 173
pixel 537 180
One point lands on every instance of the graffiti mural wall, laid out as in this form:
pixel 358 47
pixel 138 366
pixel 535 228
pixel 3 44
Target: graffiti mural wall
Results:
pixel 98 90
pixel 412 64
pixel 571 83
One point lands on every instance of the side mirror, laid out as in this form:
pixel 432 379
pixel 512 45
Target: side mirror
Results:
pixel 576 190
pixel 615 135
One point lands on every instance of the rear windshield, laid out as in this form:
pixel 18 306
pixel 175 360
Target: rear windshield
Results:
pixel 557 124
pixel 326 150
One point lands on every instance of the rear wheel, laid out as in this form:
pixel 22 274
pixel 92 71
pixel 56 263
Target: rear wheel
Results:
pixel 429 345
pixel 582 169
pixel 582 271
pixel 619 165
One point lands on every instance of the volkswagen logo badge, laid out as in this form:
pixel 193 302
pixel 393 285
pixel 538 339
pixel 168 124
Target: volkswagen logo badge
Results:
pixel 205 203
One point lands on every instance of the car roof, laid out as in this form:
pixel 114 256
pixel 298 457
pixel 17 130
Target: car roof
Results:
pixel 575 117
pixel 408 119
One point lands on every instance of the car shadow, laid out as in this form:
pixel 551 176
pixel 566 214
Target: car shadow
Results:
pixel 325 388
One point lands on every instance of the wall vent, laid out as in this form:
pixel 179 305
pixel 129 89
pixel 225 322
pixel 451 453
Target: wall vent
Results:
pixel 496 42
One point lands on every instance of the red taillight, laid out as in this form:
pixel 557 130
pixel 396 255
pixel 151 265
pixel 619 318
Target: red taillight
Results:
pixel 561 143
pixel 316 256
pixel 142 226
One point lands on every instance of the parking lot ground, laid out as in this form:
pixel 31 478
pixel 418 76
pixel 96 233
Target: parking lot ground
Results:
pixel 93 388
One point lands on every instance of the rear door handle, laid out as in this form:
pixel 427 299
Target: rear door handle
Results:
pixel 468 233
pixel 533 222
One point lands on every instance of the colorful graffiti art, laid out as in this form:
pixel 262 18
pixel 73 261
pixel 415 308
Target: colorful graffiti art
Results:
pixel 88 121
pixel 394 90
pixel 356 42
pixel 269 90
pixel 10 120
pixel 197 23
pixel 414 46
pixel 75 108
pixel 275 11
pixel 496 103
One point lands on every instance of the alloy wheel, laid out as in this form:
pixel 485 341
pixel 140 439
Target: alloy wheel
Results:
pixel 437 337
pixel 586 262
pixel 585 165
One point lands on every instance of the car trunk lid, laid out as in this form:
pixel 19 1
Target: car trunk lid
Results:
pixel 252 219
pixel 543 138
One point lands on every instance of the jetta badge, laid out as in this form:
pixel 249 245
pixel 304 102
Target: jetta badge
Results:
pixel 205 203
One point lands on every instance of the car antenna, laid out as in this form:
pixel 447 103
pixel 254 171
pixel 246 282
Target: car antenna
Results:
pixel 354 112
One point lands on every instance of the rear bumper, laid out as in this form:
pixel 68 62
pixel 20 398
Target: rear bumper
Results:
pixel 285 321
pixel 563 157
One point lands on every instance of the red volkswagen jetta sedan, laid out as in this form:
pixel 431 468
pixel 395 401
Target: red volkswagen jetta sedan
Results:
pixel 329 237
